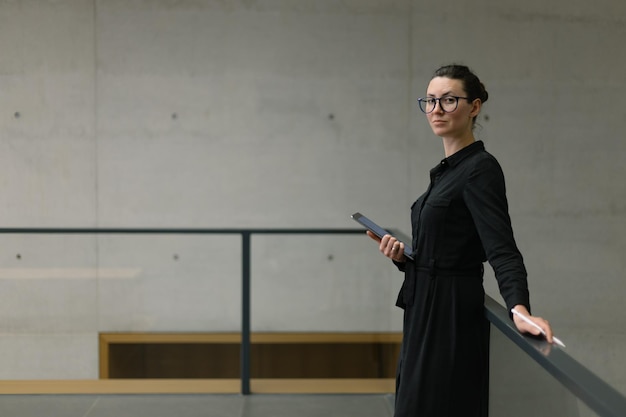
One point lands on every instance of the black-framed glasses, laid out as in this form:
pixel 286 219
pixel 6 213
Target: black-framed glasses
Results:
pixel 447 103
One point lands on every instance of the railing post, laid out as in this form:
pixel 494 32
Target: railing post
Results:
pixel 245 312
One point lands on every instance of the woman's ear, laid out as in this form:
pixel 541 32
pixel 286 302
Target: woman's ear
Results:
pixel 476 106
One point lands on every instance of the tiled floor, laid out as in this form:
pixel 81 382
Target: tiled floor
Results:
pixel 259 405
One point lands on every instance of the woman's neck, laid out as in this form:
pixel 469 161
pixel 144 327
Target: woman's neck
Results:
pixel 453 145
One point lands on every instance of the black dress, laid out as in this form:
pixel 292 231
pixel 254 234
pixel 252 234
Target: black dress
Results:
pixel 460 222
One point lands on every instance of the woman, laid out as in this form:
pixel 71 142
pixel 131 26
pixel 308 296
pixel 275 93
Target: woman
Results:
pixel 460 222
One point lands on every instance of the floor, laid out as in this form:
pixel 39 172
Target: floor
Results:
pixel 213 405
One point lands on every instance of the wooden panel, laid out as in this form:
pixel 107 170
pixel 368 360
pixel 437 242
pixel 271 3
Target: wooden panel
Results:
pixel 293 356
pixel 198 386
pixel 117 338
pixel 324 360
pixel 322 386
pixel 291 337
pixel 168 360
pixel 122 386
pixel 326 338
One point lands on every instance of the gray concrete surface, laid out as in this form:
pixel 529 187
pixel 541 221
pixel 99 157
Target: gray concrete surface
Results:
pixel 196 406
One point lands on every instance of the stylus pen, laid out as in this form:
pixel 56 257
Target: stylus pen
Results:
pixel 532 323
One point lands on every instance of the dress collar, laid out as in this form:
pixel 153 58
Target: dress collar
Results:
pixel 460 155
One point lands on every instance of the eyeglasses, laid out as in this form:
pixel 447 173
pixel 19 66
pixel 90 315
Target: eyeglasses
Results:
pixel 447 103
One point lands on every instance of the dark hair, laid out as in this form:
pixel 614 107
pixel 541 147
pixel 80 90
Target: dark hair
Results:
pixel 472 85
pixel 474 89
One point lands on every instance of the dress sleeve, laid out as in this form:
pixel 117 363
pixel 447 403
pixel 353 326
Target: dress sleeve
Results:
pixel 400 265
pixel 485 197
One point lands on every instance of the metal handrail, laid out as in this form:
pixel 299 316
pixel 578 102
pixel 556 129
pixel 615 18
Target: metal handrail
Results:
pixel 245 265
pixel 593 391
pixel 580 381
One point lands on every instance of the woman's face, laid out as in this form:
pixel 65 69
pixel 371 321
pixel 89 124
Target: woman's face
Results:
pixel 457 123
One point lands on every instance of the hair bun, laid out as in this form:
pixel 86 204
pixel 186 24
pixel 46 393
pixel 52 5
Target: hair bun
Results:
pixel 484 96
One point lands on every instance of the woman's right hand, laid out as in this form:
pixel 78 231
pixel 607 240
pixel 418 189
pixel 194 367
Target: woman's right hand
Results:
pixel 389 246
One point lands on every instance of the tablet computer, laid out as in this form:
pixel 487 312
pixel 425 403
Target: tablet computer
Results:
pixel 379 231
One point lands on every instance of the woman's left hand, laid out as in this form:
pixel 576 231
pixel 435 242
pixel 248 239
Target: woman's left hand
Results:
pixel 524 327
pixel 389 246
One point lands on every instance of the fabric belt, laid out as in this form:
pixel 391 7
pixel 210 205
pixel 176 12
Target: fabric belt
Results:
pixel 434 271
pixel 407 293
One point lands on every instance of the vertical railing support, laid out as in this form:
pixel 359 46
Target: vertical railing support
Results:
pixel 245 313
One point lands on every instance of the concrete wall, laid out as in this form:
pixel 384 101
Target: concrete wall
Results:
pixel 291 114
